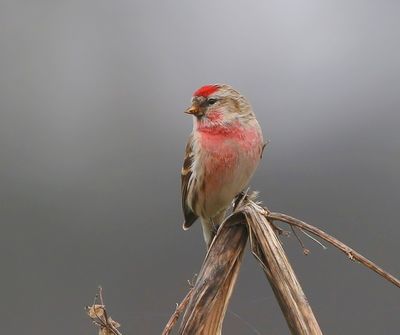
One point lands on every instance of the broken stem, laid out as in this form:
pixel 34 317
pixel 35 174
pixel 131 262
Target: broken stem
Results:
pixel 351 253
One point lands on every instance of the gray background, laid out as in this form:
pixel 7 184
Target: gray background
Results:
pixel 92 133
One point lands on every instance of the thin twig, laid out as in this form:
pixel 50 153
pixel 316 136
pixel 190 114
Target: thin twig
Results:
pixel 305 250
pixel 179 309
pixel 352 254
pixel 313 238
pixel 247 323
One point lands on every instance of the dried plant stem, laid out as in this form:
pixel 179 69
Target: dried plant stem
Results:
pixel 352 254
pixel 268 250
pixel 206 310
pixel 206 303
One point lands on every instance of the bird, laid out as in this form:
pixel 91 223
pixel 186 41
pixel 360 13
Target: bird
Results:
pixel 221 155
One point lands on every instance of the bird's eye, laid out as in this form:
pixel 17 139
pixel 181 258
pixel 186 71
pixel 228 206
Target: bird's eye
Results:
pixel 211 101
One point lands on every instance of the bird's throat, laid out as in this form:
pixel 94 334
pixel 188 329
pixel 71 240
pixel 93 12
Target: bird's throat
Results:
pixel 214 124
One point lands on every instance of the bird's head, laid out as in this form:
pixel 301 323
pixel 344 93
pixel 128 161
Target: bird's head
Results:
pixel 218 104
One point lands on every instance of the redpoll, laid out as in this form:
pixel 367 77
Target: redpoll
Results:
pixel 221 156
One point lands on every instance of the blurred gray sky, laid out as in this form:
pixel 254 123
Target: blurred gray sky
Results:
pixel 92 133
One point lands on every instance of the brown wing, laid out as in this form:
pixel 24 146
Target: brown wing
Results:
pixel 186 173
pixel 263 147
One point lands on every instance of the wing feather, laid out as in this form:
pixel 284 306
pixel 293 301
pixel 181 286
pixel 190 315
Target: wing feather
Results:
pixel 186 173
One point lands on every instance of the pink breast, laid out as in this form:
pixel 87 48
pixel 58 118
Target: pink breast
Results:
pixel 221 139
pixel 230 156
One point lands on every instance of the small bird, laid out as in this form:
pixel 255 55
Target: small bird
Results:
pixel 222 153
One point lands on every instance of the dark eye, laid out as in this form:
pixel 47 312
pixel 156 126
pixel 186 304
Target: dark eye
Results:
pixel 211 101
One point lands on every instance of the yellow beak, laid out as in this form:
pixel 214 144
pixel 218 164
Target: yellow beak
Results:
pixel 194 110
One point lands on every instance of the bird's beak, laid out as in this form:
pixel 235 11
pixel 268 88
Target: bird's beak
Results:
pixel 194 110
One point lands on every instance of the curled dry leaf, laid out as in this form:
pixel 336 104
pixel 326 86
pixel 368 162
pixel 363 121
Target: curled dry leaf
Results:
pixel 98 314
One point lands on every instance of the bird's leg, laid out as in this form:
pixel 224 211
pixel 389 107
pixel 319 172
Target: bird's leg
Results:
pixel 214 226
